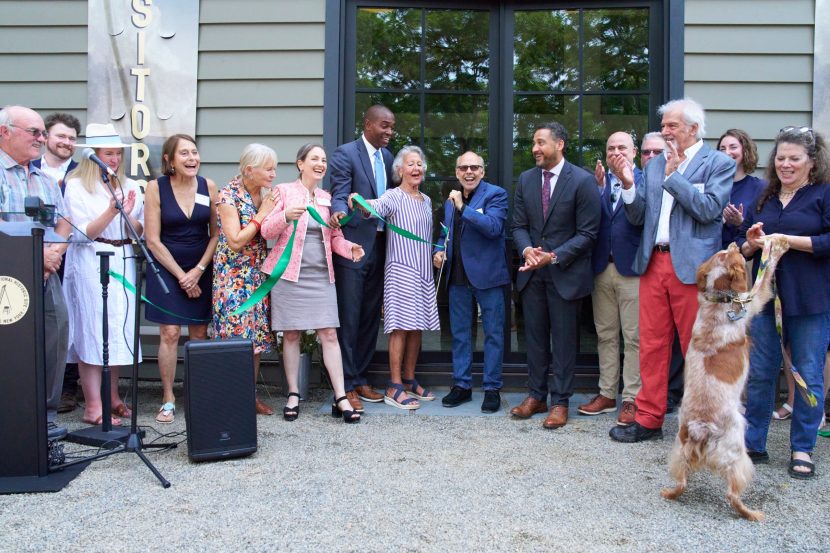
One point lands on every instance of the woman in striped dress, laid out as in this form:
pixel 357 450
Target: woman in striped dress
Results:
pixel 408 289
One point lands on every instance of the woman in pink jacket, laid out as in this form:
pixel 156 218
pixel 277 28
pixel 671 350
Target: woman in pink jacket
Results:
pixel 305 297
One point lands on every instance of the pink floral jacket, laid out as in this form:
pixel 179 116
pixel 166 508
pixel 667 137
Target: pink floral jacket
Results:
pixel 291 194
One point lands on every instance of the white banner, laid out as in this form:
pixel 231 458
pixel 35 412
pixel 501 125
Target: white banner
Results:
pixel 143 58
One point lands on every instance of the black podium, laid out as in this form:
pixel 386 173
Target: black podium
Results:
pixel 24 463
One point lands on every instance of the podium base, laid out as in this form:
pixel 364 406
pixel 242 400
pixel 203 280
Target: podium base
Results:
pixel 96 437
pixel 52 482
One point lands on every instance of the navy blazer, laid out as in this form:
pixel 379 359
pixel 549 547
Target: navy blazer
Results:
pixel 617 236
pixel 569 230
pixel 350 170
pixel 700 195
pixel 482 237
pixel 62 182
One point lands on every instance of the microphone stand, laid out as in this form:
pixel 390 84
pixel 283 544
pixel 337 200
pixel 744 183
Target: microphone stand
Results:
pixel 133 443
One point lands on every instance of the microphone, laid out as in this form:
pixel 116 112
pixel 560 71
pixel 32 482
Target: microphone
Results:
pixel 89 153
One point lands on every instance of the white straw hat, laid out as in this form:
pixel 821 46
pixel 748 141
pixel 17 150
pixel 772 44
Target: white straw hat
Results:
pixel 101 136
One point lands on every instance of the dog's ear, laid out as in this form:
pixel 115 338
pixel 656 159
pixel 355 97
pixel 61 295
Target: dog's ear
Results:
pixel 737 272
pixel 702 273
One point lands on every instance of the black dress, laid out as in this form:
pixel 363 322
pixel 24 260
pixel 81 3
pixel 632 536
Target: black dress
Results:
pixel 186 239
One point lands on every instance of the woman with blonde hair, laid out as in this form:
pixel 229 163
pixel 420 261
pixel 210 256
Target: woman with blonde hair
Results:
pixel 241 207
pixel 92 209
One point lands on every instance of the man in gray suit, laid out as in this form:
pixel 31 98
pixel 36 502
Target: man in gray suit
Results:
pixel 556 215
pixel 680 207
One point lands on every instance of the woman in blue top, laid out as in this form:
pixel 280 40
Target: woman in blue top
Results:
pixel 745 188
pixel 795 205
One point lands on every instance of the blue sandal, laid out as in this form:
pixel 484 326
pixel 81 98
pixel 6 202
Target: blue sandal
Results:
pixel 426 396
pixel 406 403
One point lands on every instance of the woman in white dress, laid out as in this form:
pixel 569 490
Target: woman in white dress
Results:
pixel 92 210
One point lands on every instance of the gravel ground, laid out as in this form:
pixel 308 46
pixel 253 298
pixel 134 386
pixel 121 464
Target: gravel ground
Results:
pixel 416 483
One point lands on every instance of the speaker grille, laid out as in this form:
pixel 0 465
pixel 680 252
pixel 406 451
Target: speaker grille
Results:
pixel 220 399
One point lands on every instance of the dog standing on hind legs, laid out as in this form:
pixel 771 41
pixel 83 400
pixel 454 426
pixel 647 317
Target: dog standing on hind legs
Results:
pixel 711 433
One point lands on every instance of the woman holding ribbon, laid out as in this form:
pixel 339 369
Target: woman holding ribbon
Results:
pixel 304 296
pixel 241 207
pixel 92 209
pixel 181 233
pixel 795 205
pixel 408 291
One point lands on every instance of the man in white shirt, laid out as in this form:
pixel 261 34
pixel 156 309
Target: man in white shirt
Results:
pixel 680 206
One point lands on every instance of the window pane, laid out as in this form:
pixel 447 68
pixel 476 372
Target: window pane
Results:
pixel 457 50
pixel 615 51
pixel 388 48
pixel 546 50
pixel 454 123
pixel 603 115
pixel 530 111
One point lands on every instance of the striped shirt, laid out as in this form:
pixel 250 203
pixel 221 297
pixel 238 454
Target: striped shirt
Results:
pixel 16 184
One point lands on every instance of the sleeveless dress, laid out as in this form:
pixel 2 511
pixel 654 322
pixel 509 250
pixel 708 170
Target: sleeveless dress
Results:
pixel 311 302
pixel 186 239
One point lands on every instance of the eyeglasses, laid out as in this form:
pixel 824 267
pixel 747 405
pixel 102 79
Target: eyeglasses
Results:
pixel 651 152
pixel 797 130
pixel 31 130
pixel 465 168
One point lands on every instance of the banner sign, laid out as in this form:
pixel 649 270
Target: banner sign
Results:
pixel 143 58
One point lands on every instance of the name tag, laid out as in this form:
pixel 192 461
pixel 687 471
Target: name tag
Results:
pixel 324 202
pixel 699 186
pixel 201 199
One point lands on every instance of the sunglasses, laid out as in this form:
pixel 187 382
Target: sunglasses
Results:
pixel 651 152
pixel 797 130
pixel 465 168
pixel 36 133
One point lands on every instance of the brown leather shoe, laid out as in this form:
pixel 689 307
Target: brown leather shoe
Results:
pixel 262 409
pixel 627 413
pixel 600 404
pixel 354 399
pixel 366 393
pixel 557 418
pixel 529 407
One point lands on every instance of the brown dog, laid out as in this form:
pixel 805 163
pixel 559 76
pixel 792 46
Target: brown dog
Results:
pixel 711 433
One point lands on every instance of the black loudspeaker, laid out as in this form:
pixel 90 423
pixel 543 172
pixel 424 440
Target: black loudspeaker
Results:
pixel 220 395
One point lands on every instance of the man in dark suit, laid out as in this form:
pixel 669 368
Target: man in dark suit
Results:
pixel 476 267
pixel 615 298
pixel 680 206
pixel 363 166
pixel 63 130
pixel 556 216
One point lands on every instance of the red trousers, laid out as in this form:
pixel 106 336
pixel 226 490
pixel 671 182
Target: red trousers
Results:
pixel 665 304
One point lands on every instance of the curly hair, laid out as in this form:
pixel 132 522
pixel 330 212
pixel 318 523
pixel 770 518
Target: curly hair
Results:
pixel 816 148
pixel 750 151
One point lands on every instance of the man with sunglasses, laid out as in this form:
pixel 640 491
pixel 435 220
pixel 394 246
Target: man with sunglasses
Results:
pixel 680 204
pixel 653 145
pixel 475 268
pixel 22 134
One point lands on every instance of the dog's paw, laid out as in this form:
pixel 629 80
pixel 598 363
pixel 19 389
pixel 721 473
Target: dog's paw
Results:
pixel 779 245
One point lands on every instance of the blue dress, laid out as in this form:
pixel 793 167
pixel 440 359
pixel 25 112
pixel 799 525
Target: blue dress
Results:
pixel 186 239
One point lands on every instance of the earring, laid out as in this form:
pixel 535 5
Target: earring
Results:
pixel 172 171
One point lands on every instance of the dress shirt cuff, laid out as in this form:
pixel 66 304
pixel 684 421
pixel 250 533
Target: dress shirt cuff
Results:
pixel 629 194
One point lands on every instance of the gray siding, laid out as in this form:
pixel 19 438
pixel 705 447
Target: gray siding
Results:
pixel 260 75
pixel 751 65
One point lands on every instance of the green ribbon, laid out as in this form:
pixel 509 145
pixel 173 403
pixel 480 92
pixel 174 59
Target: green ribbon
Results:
pixel 396 229
pixel 279 269
pixel 131 288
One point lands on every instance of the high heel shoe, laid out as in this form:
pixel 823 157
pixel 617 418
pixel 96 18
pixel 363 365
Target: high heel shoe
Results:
pixel 349 416
pixel 291 413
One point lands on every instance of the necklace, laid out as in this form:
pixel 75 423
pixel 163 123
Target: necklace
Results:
pixel 786 194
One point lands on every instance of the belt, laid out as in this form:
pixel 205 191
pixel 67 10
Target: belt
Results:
pixel 664 248
pixel 114 242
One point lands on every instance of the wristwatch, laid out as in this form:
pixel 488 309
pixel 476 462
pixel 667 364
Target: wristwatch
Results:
pixel 554 260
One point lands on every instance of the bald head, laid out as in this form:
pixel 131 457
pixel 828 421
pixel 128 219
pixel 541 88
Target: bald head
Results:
pixel 378 125
pixel 21 133
pixel 620 144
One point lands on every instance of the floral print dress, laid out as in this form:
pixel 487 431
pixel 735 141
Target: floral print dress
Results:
pixel 236 275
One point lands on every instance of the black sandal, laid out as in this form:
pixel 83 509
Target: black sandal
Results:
pixel 801 475
pixel 349 416
pixel 291 413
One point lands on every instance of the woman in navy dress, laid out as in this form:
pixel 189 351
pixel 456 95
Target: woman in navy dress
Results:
pixel 181 233
pixel 796 206
pixel 745 187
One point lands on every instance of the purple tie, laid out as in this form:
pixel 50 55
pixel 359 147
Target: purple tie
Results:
pixel 546 193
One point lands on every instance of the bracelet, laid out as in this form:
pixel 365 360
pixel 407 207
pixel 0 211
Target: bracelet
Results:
pixel 201 267
pixel 257 225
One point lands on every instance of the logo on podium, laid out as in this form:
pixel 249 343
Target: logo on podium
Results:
pixel 14 300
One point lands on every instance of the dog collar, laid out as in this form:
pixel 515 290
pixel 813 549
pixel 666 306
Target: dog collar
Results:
pixel 740 299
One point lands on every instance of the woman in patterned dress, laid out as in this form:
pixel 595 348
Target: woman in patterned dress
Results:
pixel 241 207
pixel 408 289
